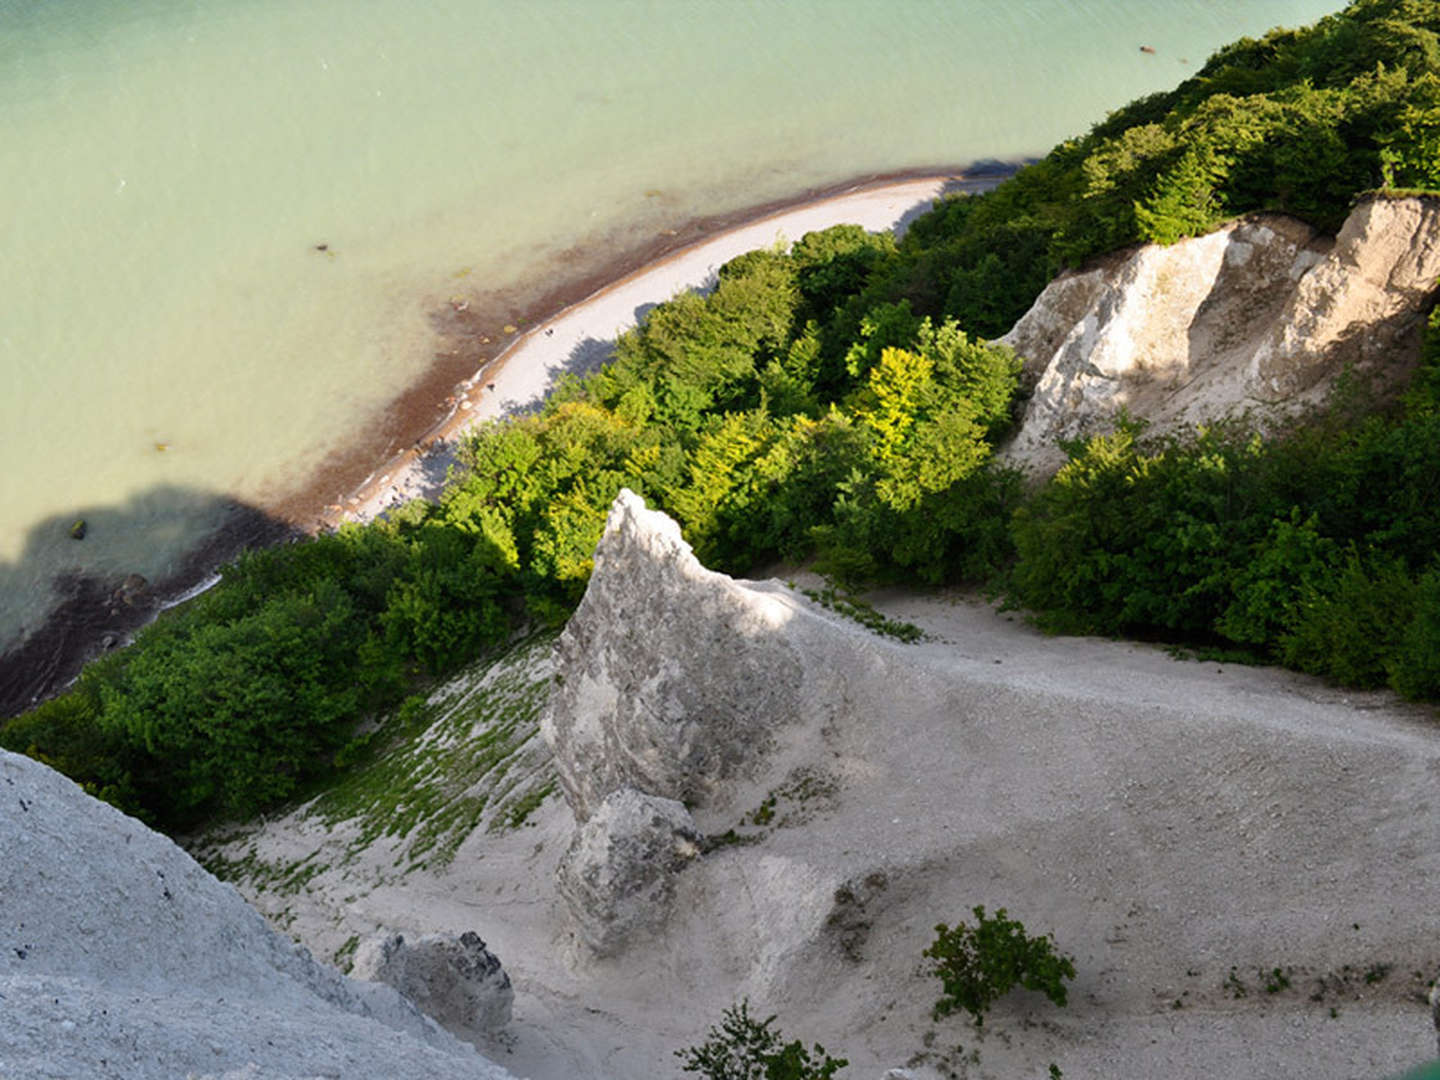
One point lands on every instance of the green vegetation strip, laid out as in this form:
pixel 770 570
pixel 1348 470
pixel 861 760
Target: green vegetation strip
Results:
pixel 440 764
pixel 836 403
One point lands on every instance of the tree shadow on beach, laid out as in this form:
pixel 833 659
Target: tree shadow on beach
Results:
pixel 587 356
pixel 977 178
pixel 77 590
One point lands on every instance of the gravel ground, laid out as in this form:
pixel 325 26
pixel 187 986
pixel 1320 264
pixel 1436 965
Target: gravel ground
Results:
pixel 1168 821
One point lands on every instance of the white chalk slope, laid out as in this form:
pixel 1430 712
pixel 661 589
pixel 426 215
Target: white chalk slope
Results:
pixel 120 956
pixel 1168 821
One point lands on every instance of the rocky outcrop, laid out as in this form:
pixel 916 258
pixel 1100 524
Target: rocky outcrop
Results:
pixel 120 956
pixel 675 684
pixel 1259 316
pixel 618 876
pixel 456 981
pixel 716 705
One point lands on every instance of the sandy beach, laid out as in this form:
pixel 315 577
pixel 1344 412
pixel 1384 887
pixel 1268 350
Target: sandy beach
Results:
pixel 497 355
pixel 580 336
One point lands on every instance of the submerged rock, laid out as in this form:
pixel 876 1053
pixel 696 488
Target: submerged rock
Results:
pixel 618 876
pixel 456 981
pixel 132 590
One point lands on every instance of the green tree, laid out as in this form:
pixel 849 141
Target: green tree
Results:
pixel 743 1048
pixel 979 964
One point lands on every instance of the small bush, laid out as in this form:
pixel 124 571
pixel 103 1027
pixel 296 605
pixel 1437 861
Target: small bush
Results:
pixel 977 965
pixel 1348 631
pixel 1415 668
pixel 743 1048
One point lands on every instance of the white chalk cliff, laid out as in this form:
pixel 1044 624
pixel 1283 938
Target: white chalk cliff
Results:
pixel 120 956
pixel 764 799
pixel 1167 821
pixel 1259 316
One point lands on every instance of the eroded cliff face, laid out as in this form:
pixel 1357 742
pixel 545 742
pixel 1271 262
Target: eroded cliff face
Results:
pixel 120 956
pixel 680 687
pixel 1172 824
pixel 718 706
pixel 1259 317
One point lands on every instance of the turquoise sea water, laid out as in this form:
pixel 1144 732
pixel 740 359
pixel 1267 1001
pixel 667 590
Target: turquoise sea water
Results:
pixel 170 340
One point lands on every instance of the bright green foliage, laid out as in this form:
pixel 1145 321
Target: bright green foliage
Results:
pixel 723 491
pixel 64 734
pixel 1415 665
pixel 1299 121
pixel 1293 562
pixel 915 501
pixel 885 326
pixel 743 1048
pixel 1410 156
pixel 978 965
pixel 834 264
pixel 451 600
pixel 694 354
pixel 832 403
pixel 1347 628
pixel 237 714
pixel 1129 540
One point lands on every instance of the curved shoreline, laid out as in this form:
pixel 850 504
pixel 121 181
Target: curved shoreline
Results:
pixel 578 335
pixel 570 328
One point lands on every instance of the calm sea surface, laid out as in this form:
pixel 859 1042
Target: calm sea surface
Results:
pixel 171 341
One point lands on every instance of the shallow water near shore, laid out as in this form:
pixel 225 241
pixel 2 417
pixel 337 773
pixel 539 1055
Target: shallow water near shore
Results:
pixel 234 227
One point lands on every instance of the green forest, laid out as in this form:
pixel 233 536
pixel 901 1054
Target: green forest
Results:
pixel 838 404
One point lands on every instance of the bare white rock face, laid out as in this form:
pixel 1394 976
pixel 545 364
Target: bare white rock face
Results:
pixel 121 956
pixel 680 687
pixel 720 704
pixel 453 979
pixel 618 876
pixel 1259 316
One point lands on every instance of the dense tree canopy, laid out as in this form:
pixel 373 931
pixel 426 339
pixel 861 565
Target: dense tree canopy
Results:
pixel 838 402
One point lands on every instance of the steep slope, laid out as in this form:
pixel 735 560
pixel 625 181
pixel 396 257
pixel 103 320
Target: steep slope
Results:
pixel 1169 822
pixel 1261 315
pixel 122 957
pixel 1183 829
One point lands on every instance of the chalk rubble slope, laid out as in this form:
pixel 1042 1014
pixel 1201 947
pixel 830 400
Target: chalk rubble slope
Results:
pixel 1168 822
pixel 120 956
pixel 1259 316
pixel 714 711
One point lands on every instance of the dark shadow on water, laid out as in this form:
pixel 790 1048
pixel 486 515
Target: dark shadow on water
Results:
pixel 98 598
pixel 97 602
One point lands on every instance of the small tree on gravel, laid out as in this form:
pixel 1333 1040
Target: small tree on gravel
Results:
pixel 743 1048
pixel 977 965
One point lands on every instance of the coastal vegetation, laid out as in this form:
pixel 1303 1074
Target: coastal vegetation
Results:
pixel 839 403
pixel 977 966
